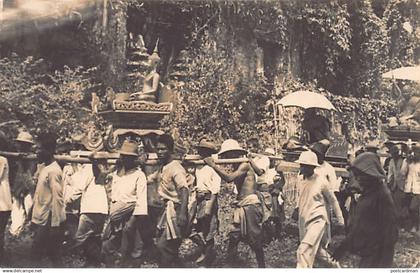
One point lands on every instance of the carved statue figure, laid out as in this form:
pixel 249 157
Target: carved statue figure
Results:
pixel 95 103
pixel 151 81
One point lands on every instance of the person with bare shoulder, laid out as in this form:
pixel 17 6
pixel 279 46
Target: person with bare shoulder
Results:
pixel 248 214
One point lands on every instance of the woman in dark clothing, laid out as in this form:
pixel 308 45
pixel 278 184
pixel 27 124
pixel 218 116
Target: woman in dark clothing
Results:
pixel 373 230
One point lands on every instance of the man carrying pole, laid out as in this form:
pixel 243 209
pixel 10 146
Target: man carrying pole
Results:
pixel 48 215
pixel 173 190
pixel 208 187
pixel 128 208
pixel 265 179
pixel 93 208
pixel 248 213
pixel 154 203
pixel 23 186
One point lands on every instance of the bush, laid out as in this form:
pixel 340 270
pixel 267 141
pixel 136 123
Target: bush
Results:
pixel 213 102
pixel 41 101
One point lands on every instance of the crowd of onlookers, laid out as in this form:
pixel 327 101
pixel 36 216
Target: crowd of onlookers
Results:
pixel 402 170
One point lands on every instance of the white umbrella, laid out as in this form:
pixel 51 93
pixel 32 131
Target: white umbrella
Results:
pixel 411 73
pixel 306 99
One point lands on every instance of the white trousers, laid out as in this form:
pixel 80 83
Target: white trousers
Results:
pixel 308 252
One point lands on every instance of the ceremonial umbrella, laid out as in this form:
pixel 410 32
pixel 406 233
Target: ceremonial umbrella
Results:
pixel 411 73
pixel 305 100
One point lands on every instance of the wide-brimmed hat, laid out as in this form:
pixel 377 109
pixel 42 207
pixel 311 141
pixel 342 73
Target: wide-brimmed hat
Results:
pixel 25 137
pixel 129 147
pixel 269 151
pixel 231 145
pixel 207 145
pixel 308 158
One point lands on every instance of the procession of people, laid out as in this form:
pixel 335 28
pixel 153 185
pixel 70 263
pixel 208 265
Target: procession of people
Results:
pixel 118 206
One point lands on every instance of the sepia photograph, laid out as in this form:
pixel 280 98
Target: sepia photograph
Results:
pixel 209 134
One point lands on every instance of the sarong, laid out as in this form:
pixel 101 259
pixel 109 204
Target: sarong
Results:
pixel 208 226
pixel 120 213
pixel 168 222
pixel 247 219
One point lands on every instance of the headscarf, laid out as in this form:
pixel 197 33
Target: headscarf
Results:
pixel 369 163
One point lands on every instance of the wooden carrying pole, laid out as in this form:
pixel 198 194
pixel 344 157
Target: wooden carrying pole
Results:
pixel 112 159
pixel 284 166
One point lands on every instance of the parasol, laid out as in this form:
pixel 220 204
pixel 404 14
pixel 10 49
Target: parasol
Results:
pixel 411 73
pixel 306 99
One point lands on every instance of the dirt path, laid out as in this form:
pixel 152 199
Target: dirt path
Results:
pixel 279 254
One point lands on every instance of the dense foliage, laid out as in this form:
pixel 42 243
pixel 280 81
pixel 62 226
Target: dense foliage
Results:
pixel 39 101
pixel 211 102
pixel 344 45
pixel 339 46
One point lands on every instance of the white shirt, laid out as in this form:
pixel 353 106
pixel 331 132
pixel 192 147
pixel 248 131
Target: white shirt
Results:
pixel 5 194
pixel 315 197
pixel 131 187
pixel 412 171
pixel 269 177
pixel 207 179
pixel 94 198
pixel 328 172
pixel 73 181
pixel 262 162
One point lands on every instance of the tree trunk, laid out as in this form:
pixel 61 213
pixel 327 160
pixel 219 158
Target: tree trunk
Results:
pixel 115 46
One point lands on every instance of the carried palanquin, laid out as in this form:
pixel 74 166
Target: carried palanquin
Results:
pixel 133 115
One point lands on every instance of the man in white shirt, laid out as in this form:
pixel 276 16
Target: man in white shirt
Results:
pixel 315 197
pixel 274 182
pixel 325 169
pixel 128 200
pixel 208 187
pixel 93 207
pixel 5 196
pixel 411 170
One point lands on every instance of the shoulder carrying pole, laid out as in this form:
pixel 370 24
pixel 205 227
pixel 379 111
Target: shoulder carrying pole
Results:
pixel 82 157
